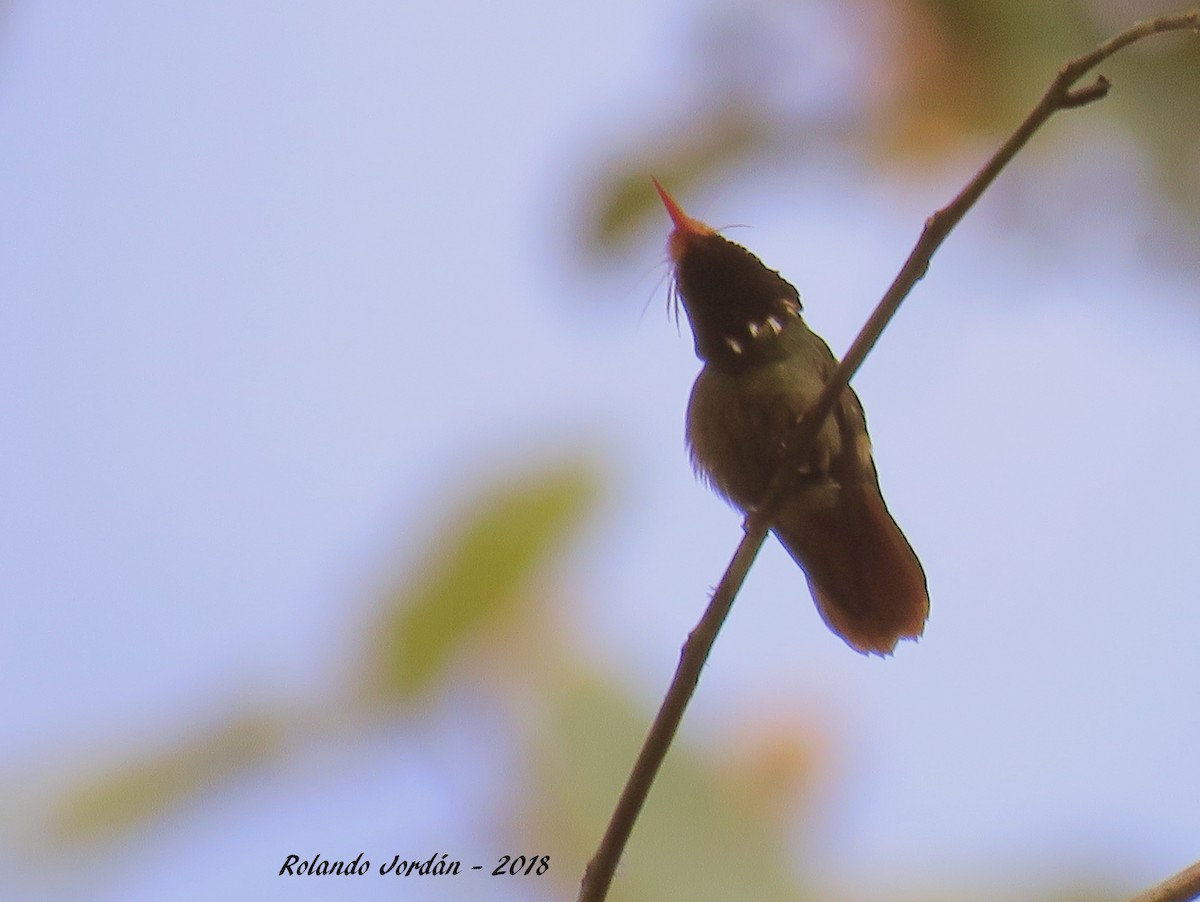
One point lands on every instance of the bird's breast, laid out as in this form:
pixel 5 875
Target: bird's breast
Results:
pixel 739 423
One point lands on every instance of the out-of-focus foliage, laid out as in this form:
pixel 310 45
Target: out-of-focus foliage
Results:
pixel 701 835
pixel 707 833
pixel 474 574
pixel 717 825
pixel 105 803
pixel 903 82
pixel 975 66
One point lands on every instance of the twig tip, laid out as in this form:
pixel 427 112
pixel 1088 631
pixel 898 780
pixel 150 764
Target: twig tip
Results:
pixel 1097 90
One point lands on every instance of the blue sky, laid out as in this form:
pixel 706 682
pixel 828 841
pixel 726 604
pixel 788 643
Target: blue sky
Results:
pixel 277 277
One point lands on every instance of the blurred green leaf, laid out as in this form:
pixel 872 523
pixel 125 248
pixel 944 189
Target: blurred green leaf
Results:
pixel 474 573
pixel 103 805
pixel 624 196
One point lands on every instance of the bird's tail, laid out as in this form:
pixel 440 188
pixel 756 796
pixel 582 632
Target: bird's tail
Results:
pixel 865 578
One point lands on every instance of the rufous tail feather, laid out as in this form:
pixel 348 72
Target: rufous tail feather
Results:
pixel 865 578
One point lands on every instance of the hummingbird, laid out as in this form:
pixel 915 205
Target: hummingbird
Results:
pixel 763 368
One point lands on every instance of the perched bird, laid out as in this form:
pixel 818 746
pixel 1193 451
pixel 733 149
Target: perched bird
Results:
pixel 763 368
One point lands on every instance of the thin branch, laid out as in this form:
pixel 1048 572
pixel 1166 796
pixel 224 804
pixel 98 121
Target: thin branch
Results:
pixel 1183 887
pixel 1059 96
